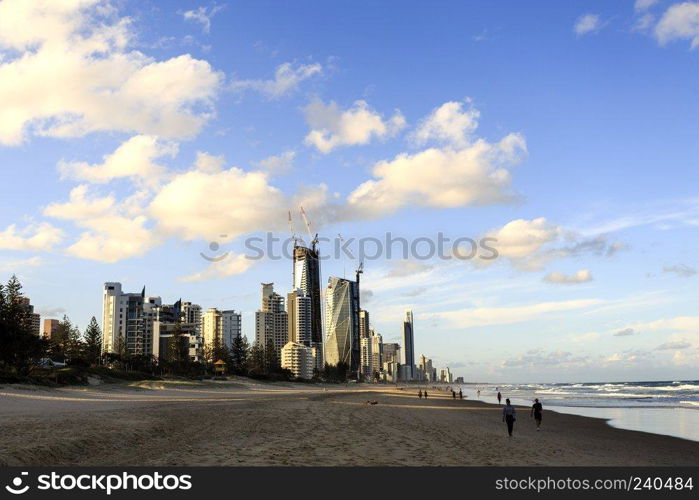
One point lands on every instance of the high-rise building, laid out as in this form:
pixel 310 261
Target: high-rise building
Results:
pixel 167 334
pixel 445 375
pixel 365 347
pixel 408 345
pixel 232 327
pixel 299 359
pixel 123 323
pixel 50 327
pixel 191 313
pixel 307 278
pixel 212 327
pixel 271 321
pixel 364 329
pixel 426 371
pixel 34 318
pixel 376 353
pixel 298 304
pixel 342 323
pixel 391 353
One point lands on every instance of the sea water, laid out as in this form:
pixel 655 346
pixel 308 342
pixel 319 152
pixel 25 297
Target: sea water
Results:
pixel 670 408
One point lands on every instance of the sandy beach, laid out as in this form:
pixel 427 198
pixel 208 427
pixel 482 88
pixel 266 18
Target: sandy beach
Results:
pixel 243 422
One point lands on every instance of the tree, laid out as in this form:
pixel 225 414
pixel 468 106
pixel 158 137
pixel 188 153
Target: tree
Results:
pixel 272 364
pixel 92 339
pixel 21 347
pixel 240 350
pixel 65 342
pixel 256 361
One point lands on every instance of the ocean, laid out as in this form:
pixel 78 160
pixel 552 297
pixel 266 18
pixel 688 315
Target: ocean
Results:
pixel 670 408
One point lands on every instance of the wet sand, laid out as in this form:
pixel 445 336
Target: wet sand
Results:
pixel 247 423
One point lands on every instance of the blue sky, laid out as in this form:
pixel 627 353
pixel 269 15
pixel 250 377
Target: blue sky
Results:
pixel 132 134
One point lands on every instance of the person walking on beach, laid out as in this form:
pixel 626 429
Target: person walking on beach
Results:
pixel 425 393
pixel 500 397
pixel 537 409
pixel 509 416
pixel 419 394
pixel 453 395
pixel 479 394
pixel 461 394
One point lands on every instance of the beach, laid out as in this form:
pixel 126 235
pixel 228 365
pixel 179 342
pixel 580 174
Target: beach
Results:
pixel 248 423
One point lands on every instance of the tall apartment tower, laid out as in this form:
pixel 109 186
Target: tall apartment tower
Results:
pixel 342 342
pixel 191 313
pixel 307 278
pixel 232 327
pixel 271 321
pixel 123 322
pixel 212 327
pixel 50 327
pixel 364 329
pixel 408 345
pixel 376 352
pixel 299 311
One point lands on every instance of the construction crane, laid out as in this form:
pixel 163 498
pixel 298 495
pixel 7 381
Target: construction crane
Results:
pixel 360 270
pixel 314 239
pixel 291 229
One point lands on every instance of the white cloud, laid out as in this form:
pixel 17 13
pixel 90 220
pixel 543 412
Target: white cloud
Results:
pixel 203 16
pixel 230 266
pixel 679 22
pixel 67 71
pixel 442 178
pixel 332 127
pixel 403 268
pixel 114 231
pixel 13 265
pixel 644 4
pixel 587 23
pixel 448 124
pixel 287 78
pixel 134 159
pixel 34 237
pixel 205 204
pixel 486 316
pixel 672 346
pixel 279 164
pixel 557 277
pixel 539 358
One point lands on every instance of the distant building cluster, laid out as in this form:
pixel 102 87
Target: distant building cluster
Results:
pixel 304 336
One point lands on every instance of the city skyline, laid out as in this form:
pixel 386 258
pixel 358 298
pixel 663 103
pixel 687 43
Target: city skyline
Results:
pixel 157 142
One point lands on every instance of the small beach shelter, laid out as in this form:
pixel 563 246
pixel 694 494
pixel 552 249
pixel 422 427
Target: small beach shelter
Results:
pixel 220 367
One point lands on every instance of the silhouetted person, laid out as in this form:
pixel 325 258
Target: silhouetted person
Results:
pixel 461 394
pixel 500 398
pixel 536 412
pixel 509 416
pixel 479 394
pixel 453 395
pixel 425 394
pixel 419 394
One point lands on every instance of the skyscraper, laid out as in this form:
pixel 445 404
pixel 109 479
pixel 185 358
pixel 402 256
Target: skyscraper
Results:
pixel 191 313
pixel 231 327
pixel 408 345
pixel 50 327
pixel 212 327
pixel 307 278
pixel 342 323
pixel 123 321
pixel 271 321
pixel 298 305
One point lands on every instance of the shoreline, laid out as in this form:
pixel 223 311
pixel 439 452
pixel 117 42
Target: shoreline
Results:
pixel 247 423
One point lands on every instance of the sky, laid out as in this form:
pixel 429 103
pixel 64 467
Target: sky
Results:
pixel 148 142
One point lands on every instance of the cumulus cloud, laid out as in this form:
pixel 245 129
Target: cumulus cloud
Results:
pixel 278 164
pixel 681 270
pixel 42 236
pixel 531 244
pixel 203 16
pixel 644 4
pixel 444 178
pixel 113 231
pixel 67 71
pixel 134 159
pixel 679 22
pixel 540 358
pixel 287 78
pixel 332 127
pixel 407 268
pixel 557 277
pixel 626 332
pixel 12 266
pixel 587 23
pixel 448 124
pixel 230 266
